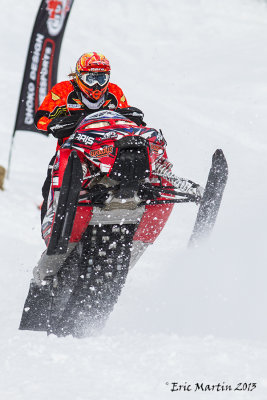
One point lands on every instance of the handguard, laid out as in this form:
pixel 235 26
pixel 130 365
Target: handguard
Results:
pixel 132 113
pixel 62 127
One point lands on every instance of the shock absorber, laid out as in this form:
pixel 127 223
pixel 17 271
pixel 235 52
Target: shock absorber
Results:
pixel 163 169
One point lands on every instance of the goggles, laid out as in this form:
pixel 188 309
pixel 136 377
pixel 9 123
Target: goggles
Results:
pixel 92 78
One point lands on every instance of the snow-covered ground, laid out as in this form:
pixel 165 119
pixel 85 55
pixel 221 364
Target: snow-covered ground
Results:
pixel 198 70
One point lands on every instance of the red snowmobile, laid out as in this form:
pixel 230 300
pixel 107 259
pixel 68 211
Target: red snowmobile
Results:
pixel 111 194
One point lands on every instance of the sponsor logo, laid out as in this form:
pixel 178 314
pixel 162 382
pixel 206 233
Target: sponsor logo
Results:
pixel 155 147
pixel 45 70
pixel 29 112
pixel 110 135
pixel 102 152
pixel 88 140
pixel 57 10
pixel 37 48
pixel 30 95
pixel 75 104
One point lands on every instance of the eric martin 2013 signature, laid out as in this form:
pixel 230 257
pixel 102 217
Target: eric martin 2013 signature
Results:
pixel 204 387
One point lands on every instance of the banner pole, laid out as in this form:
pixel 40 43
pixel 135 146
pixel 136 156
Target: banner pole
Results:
pixel 10 154
pixel 13 137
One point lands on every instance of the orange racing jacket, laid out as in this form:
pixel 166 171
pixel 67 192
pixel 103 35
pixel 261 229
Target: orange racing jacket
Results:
pixel 65 98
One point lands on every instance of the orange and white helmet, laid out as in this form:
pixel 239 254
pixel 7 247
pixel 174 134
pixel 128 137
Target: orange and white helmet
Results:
pixel 92 74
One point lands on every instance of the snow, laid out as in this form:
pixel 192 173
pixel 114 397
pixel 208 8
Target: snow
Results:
pixel 198 70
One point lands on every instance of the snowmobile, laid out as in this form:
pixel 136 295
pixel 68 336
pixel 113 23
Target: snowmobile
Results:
pixel 115 196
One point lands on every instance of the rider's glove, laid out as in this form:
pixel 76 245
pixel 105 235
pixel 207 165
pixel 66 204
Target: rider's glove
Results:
pixel 133 114
pixel 62 127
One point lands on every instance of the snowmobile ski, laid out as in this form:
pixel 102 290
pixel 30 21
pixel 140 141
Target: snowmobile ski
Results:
pixel 36 308
pixel 211 199
pixel 67 205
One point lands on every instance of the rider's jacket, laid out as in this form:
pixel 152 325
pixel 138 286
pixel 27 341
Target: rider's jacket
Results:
pixel 65 98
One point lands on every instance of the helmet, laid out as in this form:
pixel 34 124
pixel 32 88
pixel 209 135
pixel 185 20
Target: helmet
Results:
pixel 92 75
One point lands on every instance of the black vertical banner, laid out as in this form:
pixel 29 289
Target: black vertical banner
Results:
pixel 40 73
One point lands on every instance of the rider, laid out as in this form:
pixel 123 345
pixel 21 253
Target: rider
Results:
pixel 65 105
pixel 88 91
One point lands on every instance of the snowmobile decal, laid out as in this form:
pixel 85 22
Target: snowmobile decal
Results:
pixel 102 152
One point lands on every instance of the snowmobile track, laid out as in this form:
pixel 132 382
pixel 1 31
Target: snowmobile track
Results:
pixel 89 283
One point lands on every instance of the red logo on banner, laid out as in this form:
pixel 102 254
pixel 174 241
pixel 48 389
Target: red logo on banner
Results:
pixel 53 7
pixel 57 10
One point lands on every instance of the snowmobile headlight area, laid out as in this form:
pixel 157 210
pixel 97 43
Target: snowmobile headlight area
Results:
pixel 96 125
pixel 103 124
pixel 122 122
